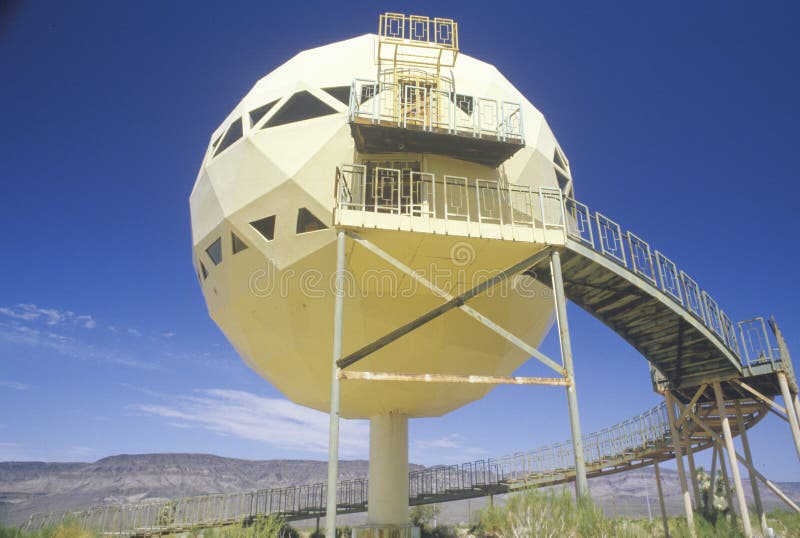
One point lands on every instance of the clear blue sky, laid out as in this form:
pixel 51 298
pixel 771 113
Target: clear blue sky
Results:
pixel 680 121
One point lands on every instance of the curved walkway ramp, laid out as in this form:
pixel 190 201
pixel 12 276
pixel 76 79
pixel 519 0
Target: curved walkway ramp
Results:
pixel 642 440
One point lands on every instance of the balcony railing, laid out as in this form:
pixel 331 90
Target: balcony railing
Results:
pixel 423 202
pixel 430 109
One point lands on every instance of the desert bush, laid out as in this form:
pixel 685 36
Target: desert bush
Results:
pixel 536 513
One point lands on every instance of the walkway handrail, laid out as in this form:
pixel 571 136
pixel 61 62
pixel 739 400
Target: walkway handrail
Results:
pixel 647 431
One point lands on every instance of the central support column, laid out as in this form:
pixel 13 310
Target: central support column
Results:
pixel 388 470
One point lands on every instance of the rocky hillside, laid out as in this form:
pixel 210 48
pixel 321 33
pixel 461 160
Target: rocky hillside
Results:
pixel 27 487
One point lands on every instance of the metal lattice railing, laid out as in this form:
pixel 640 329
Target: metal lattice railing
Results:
pixel 427 108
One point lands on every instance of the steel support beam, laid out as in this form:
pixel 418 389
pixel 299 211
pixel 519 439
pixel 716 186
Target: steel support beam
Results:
pixel 581 483
pixel 664 519
pixel 710 493
pixel 685 413
pixel 692 470
pixel 760 396
pixel 797 407
pixel 737 479
pixel 333 432
pixel 790 411
pixel 772 487
pixel 726 483
pixel 762 518
pixel 452 378
pixel 676 441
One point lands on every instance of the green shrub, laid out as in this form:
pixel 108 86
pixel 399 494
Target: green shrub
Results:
pixel 535 513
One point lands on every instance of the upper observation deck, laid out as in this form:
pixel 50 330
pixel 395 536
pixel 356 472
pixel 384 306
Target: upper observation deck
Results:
pixel 415 113
pixel 615 275
pixel 412 107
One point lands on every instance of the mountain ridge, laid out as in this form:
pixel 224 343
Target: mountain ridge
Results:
pixel 28 487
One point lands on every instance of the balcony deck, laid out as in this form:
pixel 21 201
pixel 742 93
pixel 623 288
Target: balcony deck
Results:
pixel 388 118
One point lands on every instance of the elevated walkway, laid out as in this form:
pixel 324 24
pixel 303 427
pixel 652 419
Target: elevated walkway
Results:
pixel 639 441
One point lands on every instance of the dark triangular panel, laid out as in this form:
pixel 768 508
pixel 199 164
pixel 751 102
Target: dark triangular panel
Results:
pixel 258 113
pixel 300 106
pixel 214 251
pixel 307 222
pixel 265 226
pixel 563 180
pixel 205 271
pixel 234 133
pixel 342 93
pixel 237 244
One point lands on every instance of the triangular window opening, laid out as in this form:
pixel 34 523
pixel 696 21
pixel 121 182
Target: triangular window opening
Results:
pixel 237 244
pixel 214 251
pixel 307 222
pixel 204 270
pixel 300 106
pixel 257 113
pixel 265 226
pixel 563 181
pixel 559 159
pixel 342 93
pixel 234 133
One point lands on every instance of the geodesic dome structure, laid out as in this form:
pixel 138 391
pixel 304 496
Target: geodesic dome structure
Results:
pixel 261 212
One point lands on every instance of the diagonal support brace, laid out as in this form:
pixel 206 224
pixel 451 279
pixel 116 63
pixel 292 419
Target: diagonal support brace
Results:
pixel 452 302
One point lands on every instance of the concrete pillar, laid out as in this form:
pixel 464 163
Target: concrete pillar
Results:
pixel 762 518
pixel 388 470
pixel 661 501
pixel 791 414
pixel 676 441
pixel 737 479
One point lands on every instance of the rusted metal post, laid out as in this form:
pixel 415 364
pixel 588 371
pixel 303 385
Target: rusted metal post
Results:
pixel 661 500
pixel 762 518
pixel 333 440
pixel 581 484
pixel 676 442
pixel 737 479
pixel 790 410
